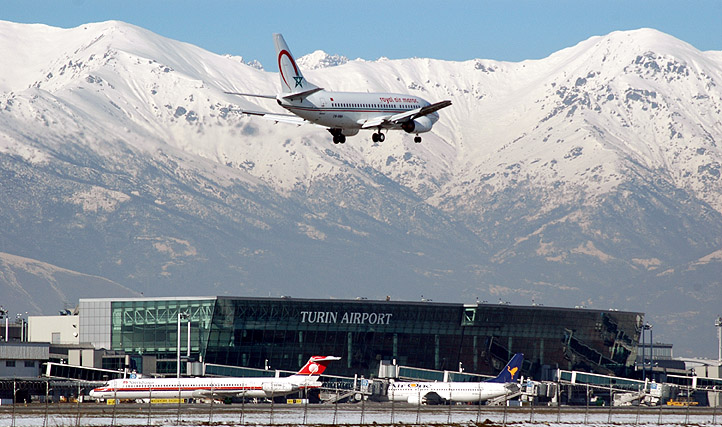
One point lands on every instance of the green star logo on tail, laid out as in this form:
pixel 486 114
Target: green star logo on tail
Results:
pixel 298 80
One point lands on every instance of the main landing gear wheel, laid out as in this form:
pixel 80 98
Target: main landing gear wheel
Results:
pixel 417 139
pixel 378 137
pixel 338 137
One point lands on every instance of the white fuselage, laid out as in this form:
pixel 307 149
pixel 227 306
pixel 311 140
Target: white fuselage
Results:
pixel 349 110
pixel 144 388
pixel 415 392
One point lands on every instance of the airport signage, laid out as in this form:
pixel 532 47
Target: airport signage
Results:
pixel 347 317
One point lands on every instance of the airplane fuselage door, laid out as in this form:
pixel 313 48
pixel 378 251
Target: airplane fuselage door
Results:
pixel 324 104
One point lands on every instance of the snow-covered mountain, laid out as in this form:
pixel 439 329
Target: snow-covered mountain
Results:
pixel 320 59
pixel 591 177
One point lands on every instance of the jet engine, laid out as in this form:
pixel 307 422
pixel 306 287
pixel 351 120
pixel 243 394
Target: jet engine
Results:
pixel 414 399
pixel 349 131
pixel 420 125
pixel 277 388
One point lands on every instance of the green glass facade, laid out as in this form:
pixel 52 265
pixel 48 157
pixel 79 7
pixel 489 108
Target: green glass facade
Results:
pixel 284 332
pixel 150 327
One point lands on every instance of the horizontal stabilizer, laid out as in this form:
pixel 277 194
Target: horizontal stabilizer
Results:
pixel 283 118
pixel 301 94
pixel 255 95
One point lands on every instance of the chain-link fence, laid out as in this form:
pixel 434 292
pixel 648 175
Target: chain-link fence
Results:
pixel 580 405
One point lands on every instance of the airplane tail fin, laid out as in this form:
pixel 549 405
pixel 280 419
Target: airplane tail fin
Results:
pixel 291 77
pixel 510 373
pixel 315 366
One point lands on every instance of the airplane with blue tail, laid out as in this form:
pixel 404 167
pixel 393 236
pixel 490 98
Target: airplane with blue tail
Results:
pixel 504 384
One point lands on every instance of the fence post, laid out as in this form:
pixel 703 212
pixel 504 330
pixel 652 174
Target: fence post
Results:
pixel 15 394
pixel 243 406
pixel 506 403
pixel 611 402
pixel 451 400
pixel 179 403
pixel 531 409
pixel 418 409
pixel 478 406
pixel 363 408
pixel 305 405
pixel 77 406
pixel 392 402
pixel 559 401
pixel 115 401
pixel 586 410
pixel 150 402
pixel 335 406
pixel 47 393
pixel 272 401
pixel 639 403
pixel 210 411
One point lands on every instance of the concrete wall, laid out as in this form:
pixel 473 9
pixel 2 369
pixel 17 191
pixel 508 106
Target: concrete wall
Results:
pixel 82 357
pixel 54 329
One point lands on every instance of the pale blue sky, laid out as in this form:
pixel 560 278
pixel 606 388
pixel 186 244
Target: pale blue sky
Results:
pixel 442 29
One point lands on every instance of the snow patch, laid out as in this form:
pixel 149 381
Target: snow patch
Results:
pixel 98 199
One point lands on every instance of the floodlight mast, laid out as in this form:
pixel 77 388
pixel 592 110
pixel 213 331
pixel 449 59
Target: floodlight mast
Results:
pixel 718 324
pixel 181 315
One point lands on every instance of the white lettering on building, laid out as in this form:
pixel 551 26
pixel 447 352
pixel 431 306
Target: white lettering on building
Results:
pixel 348 317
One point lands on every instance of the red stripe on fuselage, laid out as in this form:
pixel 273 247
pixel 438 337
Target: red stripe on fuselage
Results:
pixel 186 388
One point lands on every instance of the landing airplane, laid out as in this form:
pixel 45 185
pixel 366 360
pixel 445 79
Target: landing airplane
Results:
pixel 422 392
pixel 344 113
pixel 260 387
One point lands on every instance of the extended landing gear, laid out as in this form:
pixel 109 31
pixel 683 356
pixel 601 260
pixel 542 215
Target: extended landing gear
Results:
pixel 417 139
pixel 338 137
pixel 378 137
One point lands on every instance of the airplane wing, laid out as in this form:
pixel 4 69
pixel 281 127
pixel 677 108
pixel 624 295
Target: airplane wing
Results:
pixel 391 120
pixel 218 394
pixel 419 112
pixel 380 121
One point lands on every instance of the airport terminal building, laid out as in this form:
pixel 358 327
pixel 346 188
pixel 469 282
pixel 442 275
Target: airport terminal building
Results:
pixel 282 333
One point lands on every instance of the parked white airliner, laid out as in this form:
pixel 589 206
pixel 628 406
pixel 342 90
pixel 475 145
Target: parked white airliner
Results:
pixel 468 392
pixel 344 113
pixel 259 387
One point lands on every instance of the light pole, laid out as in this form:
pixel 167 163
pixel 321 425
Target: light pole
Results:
pixel 647 327
pixel 181 315
pixel 4 313
pixel 20 318
pixel 718 324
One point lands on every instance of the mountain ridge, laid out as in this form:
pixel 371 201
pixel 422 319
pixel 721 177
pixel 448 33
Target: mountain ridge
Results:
pixel 556 179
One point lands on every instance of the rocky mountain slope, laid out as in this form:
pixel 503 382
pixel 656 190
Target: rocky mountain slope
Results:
pixel 591 177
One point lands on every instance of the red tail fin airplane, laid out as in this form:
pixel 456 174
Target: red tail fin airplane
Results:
pixel 261 387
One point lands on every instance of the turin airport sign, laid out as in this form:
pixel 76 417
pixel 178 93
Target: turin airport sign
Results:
pixel 347 317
